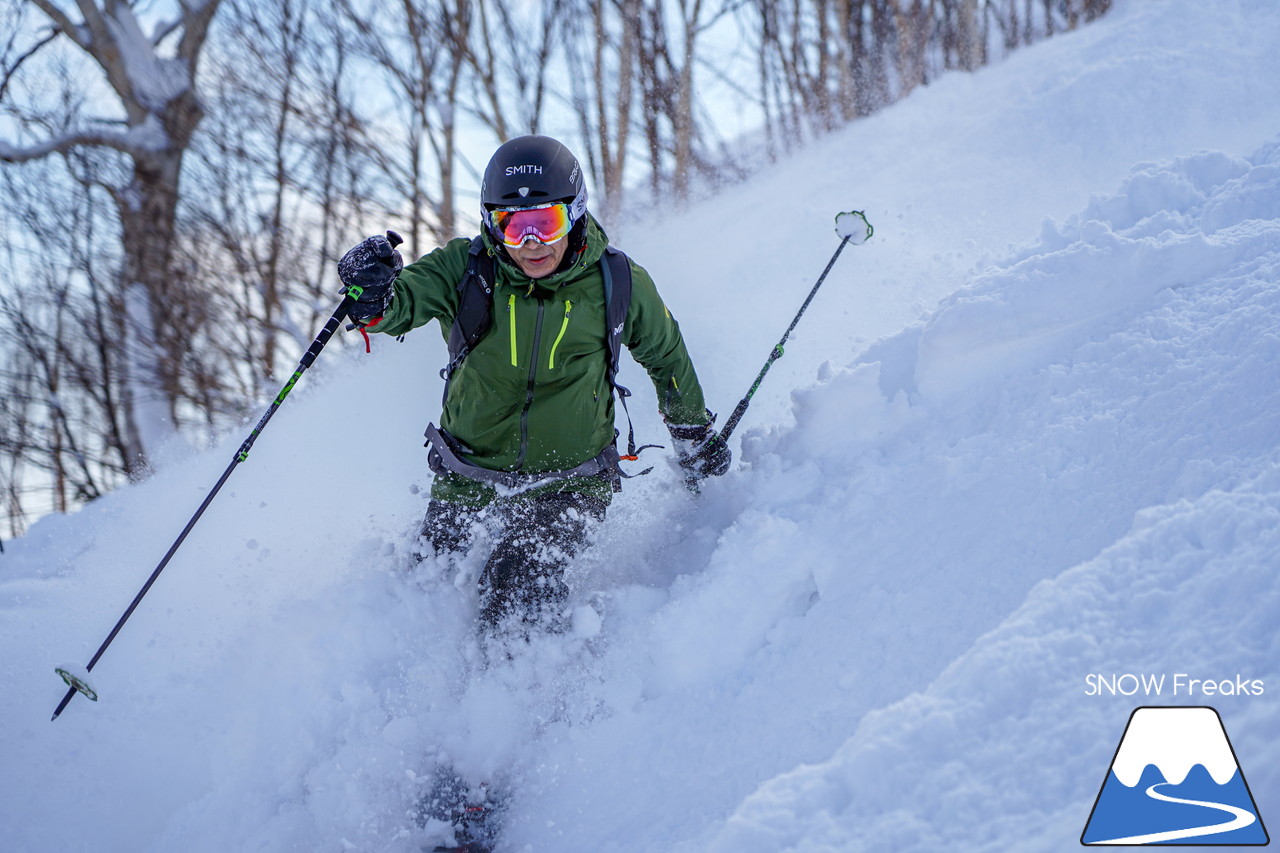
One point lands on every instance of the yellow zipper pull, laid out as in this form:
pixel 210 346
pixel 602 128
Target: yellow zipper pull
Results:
pixel 511 308
pixel 568 307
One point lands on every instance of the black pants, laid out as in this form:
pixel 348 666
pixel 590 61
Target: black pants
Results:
pixel 535 538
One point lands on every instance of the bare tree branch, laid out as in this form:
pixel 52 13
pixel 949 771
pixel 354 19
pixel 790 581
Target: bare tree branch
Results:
pixel 195 28
pixel 136 142
pixel 164 29
pixel 63 23
pixel 17 63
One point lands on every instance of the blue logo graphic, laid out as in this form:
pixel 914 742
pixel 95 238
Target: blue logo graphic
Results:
pixel 1175 780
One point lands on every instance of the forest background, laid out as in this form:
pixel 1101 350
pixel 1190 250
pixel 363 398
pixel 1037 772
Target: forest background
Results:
pixel 178 177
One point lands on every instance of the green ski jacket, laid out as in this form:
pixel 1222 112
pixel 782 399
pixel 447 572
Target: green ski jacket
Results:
pixel 533 395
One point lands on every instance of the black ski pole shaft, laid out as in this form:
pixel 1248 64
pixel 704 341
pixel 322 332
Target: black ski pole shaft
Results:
pixel 776 353
pixel 242 454
pixel 731 424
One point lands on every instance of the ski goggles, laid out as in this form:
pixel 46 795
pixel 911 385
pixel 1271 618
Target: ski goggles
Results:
pixel 546 223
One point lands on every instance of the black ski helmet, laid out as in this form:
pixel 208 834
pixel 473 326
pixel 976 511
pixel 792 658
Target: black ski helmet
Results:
pixel 532 170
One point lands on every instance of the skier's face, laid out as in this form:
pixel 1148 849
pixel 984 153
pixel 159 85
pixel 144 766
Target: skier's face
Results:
pixel 538 259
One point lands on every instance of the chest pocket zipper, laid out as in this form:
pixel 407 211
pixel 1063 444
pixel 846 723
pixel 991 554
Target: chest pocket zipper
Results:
pixel 511 310
pixel 564 326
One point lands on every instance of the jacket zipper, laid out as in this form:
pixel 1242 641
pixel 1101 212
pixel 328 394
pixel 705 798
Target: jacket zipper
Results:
pixel 533 369
pixel 568 307
pixel 511 308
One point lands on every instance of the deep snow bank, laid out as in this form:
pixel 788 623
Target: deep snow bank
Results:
pixel 1005 751
pixel 1126 362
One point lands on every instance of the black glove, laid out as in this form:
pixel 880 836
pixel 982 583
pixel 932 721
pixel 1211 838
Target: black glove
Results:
pixel 700 450
pixel 368 271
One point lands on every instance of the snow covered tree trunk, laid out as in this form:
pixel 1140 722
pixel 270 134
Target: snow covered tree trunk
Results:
pixel 969 36
pixel 682 118
pixel 148 213
pixel 160 112
pixel 846 58
pixel 602 86
pixel 913 36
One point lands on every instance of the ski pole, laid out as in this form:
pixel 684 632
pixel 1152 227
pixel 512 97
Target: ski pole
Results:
pixel 77 681
pixel 854 228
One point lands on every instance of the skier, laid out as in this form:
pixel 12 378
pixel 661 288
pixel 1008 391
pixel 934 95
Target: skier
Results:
pixel 526 437
pixel 526 445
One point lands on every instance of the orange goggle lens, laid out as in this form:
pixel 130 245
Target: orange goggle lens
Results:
pixel 546 223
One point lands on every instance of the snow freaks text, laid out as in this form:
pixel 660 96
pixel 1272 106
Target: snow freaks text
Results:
pixel 1178 684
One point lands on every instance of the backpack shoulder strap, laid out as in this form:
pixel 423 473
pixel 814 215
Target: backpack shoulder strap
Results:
pixel 475 308
pixel 615 268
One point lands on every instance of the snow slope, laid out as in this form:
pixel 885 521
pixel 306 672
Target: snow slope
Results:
pixel 1034 438
pixel 1094 420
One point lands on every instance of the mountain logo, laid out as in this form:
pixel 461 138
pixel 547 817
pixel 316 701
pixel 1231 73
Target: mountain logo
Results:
pixel 1175 781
